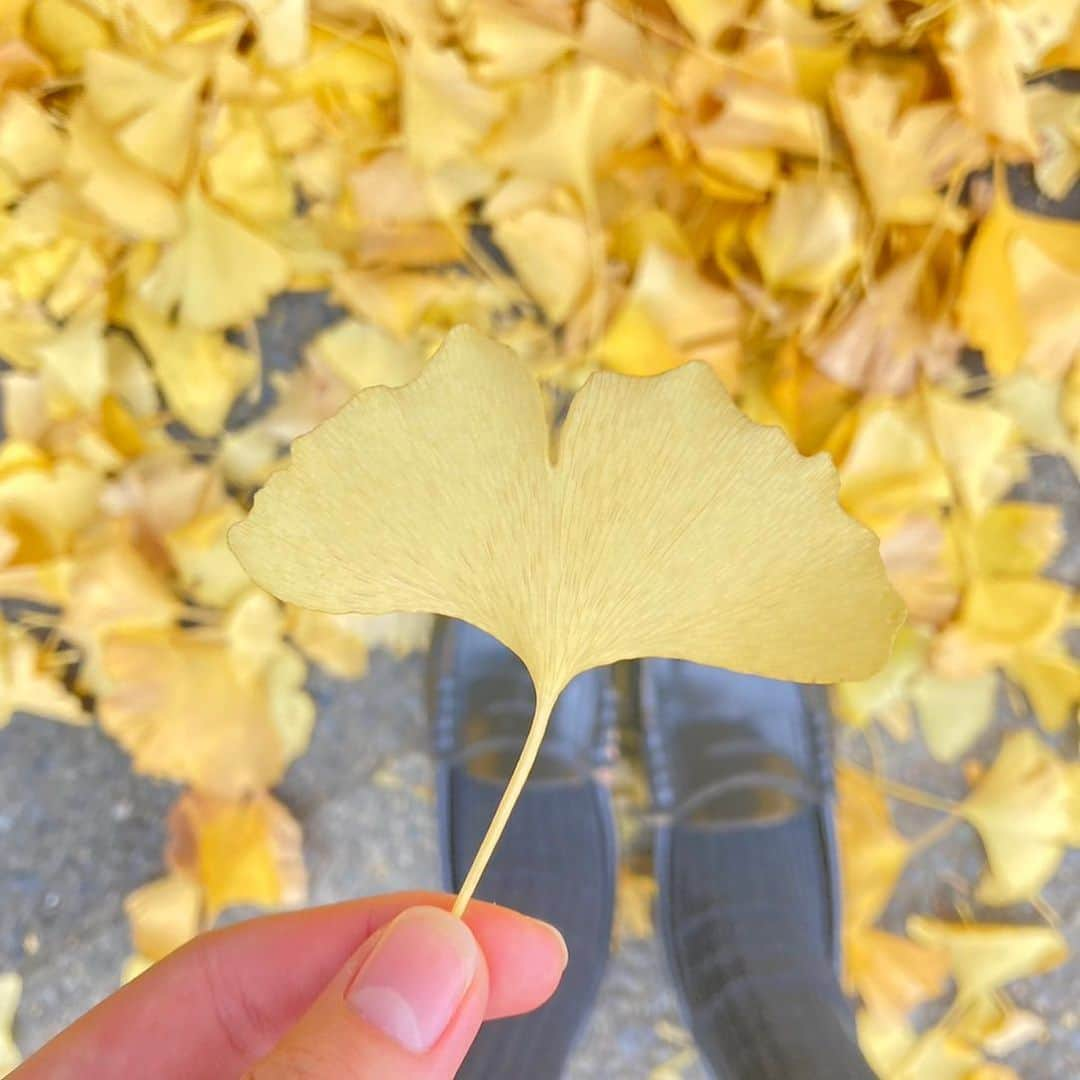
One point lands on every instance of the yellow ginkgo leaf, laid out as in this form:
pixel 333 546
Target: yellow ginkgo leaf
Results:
pixel 873 854
pixel 1022 810
pixel 888 689
pixel 74 362
pixel 807 238
pixel 1015 539
pixel 1051 681
pixel 163 915
pixel 550 252
pixel 218 272
pixel 10 992
pixel 207 569
pixel 989 307
pixel 919 560
pixel 199 372
pixel 445 113
pixel 244 852
pixel 632 538
pixel 978 446
pixel 362 354
pixel 997 1027
pixel 131 198
pixel 953 713
pixel 326 640
pixel 26 684
pixel 891 974
pixel 1047 291
pixel 30 146
pixel 283 29
pixel 985 957
pixel 180 707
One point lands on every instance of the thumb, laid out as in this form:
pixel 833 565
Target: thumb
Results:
pixel 407 1004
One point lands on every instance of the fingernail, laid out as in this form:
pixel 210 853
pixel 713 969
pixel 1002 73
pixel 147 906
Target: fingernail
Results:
pixel 413 982
pixel 556 933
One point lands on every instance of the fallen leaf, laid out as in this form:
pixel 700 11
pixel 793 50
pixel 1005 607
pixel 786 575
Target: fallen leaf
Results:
pixel 1021 809
pixel 986 957
pixel 10 992
pixel 163 915
pixel 891 974
pixel 178 705
pixel 953 713
pixel 1051 682
pixel 872 853
pixel 27 684
pixel 246 852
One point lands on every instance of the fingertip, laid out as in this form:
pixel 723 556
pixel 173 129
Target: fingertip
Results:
pixel 526 958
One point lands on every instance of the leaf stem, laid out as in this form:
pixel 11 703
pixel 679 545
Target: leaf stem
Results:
pixel 531 747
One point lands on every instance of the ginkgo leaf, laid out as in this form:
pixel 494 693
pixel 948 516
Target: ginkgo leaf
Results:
pixel 218 272
pixel 628 540
pixel 245 852
pixel 163 915
pixel 873 853
pixel 26 684
pixel 10 992
pixel 178 704
pixel 953 713
pixel 1022 811
pixel 891 974
pixel 1051 681
pixel 199 372
pixel 985 957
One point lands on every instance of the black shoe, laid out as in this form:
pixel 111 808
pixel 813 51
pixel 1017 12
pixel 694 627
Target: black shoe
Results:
pixel 557 858
pixel 746 862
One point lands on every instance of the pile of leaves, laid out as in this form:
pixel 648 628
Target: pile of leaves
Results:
pixel 809 197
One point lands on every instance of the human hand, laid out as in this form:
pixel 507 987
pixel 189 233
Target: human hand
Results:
pixel 388 987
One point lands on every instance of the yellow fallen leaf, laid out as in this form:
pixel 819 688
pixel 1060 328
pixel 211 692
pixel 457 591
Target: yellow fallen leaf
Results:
pixel 1015 539
pixel 131 198
pixel 904 157
pixel 217 273
pixel 75 361
pixel 445 113
pixel 1055 116
pixel 977 445
pixel 207 570
pixel 705 19
pixel 985 957
pixel 888 689
pixel 1049 296
pixel 245 175
pixel 1038 407
pixel 921 566
pixel 560 548
pixel 401 633
pixel 996 1027
pixel 953 713
pixel 254 627
pixel 163 915
pixel 283 29
pixel 509 46
pixel 244 852
pixel 178 705
pixel 10 992
pixel 64 30
pixel 1051 682
pixel 1002 615
pixel 891 974
pixel 326 640
pixel 872 853
pixel 563 126
pixel 979 55
pixel 31 147
pixel 27 685
pixel 891 469
pixel 364 355
pixel 551 254
pixel 200 374
pixel 989 306
pixel 1022 811
pixel 807 238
